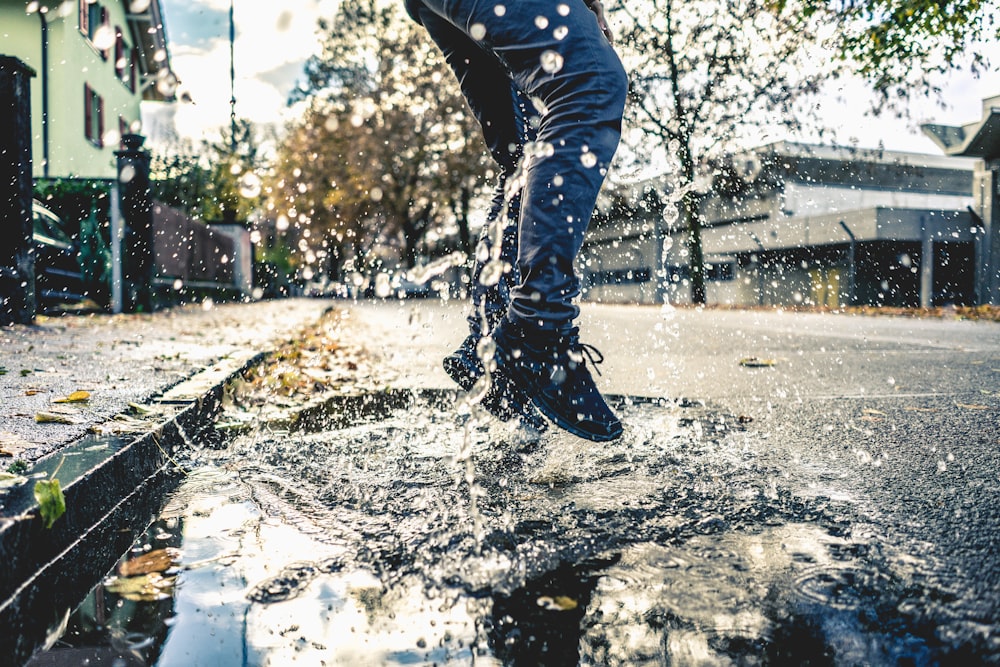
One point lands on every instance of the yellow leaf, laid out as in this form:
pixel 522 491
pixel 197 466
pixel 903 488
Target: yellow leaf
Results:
pixel 75 397
pixel 55 418
pixel 557 603
pixel 143 588
pixel 159 560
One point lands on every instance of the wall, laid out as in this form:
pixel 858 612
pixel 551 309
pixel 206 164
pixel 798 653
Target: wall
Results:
pixel 73 62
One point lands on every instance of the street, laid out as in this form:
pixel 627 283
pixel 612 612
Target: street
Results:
pixel 791 489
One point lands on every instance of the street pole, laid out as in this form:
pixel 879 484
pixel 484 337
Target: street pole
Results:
pixel 17 259
pixel 851 267
pixel 137 213
pixel 232 78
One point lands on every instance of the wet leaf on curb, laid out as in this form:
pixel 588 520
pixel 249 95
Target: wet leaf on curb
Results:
pixel 159 560
pixel 53 417
pixel 755 362
pixel 51 502
pixel 11 444
pixel 9 480
pixel 557 603
pixel 122 425
pixel 76 397
pixel 143 588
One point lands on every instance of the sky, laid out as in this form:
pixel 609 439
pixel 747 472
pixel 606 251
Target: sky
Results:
pixel 273 41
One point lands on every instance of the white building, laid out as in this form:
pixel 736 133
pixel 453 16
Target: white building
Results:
pixel 791 223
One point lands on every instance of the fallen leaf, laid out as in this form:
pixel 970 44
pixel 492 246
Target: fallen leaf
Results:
pixel 56 418
pixel 557 603
pixel 159 560
pixel 754 362
pixel 873 411
pixel 10 480
pixel 51 502
pixel 911 408
pixel 972 406
pixel 11 444
pixel 143 588
pixel 75 397
pixel 32 392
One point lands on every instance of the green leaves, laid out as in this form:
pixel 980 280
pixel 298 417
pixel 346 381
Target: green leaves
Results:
pixel 51 502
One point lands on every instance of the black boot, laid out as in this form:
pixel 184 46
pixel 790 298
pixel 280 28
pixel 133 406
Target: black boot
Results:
pixel 552 369
pixel 502 400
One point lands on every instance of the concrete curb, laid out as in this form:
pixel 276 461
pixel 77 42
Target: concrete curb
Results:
pixel 112 485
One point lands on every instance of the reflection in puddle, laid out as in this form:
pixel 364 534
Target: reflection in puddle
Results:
pixel 354 546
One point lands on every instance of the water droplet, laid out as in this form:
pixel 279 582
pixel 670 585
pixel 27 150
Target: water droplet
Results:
pixel 670 214
pixel 491 273
pixel 382 286
pixel 250 185
pixel 138 6
pixel 376 194
pixel 477 31
pixel 552 61
pixel 166 83
pixel 104 38
pixel 127 174
pixel 588 160
pixel 332 124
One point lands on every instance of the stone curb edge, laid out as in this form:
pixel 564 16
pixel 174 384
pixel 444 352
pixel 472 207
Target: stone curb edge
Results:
pixel 112 486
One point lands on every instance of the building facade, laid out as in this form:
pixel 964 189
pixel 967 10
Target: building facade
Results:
pixel 790 224
pixel 980 139
pixel 95 61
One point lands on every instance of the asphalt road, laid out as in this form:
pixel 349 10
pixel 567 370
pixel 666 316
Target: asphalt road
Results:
pixel 893 424
pixel 808 489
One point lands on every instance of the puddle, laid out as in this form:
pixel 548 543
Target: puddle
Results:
pixel 358 544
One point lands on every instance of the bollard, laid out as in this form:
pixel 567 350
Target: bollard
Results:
pixel 17 257
pixel 137 213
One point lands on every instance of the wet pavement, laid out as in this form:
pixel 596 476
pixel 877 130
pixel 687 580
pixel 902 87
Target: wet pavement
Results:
pixel 833 501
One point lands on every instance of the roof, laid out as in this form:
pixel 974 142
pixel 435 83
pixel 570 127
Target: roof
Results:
pixel 145 24
pixel 979 139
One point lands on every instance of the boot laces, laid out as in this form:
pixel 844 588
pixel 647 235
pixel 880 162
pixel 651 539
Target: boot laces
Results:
pixel 577 350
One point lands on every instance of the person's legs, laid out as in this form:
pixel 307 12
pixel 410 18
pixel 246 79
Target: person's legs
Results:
pixel 500 110
pixel 556 54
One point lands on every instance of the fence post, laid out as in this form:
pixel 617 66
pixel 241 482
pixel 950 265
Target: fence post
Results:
pixel 137 214
pixel 17 258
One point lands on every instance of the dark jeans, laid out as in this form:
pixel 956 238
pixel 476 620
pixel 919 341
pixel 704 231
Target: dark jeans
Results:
pixel 515 60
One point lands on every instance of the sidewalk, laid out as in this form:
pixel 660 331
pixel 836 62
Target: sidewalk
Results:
pixel 122 359
pixel 150 382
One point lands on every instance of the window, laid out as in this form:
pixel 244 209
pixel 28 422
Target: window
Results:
pixel 123 60
pixel 93 16
pixel 93 116
pixel 721 272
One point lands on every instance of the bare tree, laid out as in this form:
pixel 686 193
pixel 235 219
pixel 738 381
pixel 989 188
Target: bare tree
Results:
pixel 386 146
pixel 708 75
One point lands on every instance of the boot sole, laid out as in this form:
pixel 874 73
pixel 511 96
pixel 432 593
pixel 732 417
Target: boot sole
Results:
pixel 518 403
